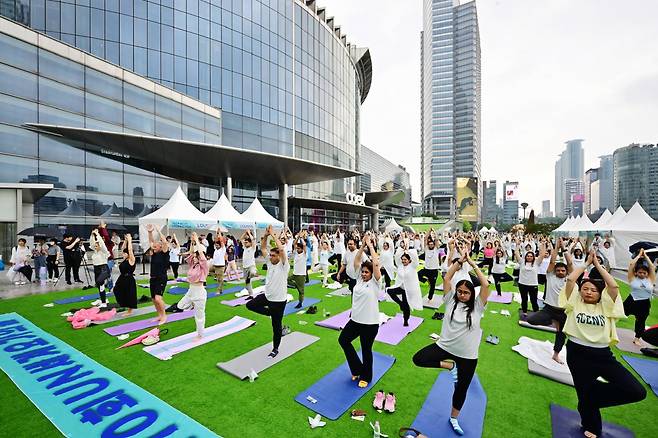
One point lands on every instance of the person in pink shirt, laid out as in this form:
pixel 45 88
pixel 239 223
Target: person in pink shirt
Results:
pixel 196 296
pixel 489 252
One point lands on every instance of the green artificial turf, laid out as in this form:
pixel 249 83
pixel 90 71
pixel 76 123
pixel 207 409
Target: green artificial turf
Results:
pixel 517 401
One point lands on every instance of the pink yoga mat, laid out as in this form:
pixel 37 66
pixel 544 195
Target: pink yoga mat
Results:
pixel 146 323
pixel 237 301
pixel 336 322
pixel 165 350
pixel 393 331
pixel 505 298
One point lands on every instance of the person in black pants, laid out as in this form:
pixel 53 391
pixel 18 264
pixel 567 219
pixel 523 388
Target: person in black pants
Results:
pixel 158 274
pixel 431 270
pixel 591 315
pixel 72 258
pixel 272 303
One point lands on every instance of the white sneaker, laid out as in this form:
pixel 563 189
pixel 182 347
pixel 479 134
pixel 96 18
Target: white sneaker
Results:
pixel 23 282
pixel 103 306
pixel 96 303
pixel 17 283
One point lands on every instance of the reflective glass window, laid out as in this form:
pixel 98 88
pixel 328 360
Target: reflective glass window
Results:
pixel 17 82
pixel 105 181
pixel 168 108
pixel 140 32
pixel 103 109
pixel 138 120
pixel 50 148
pixel 103 84
pixel 60 69
pixel 61 96
pixel 16 169
pixel 101 162
pixel 82 19
pixel 17 111
pixel 52 16
pixel 166 128
pixel 18 53
pixel 112 28
pixel 139 98
pixel 109 207
pixel 62 176
pixel 54 116
pixel 126 29
pixel 18 141
pixel 140 61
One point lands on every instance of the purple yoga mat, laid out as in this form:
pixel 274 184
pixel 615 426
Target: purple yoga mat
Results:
pixel 336 322
pixel 237 301
pixel 505 298
pixel 146 323
pixel 393 331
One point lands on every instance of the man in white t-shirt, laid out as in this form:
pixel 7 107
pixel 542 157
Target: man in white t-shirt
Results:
pixel 273 302
pixel 348 273
pixel 248 261
pixel 431 270
pixel 219 261
pixel 299 269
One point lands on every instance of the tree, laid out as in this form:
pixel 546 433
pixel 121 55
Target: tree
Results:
pixel 467 226
pixel 531 217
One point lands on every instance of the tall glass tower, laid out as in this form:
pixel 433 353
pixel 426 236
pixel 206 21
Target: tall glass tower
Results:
pixel 450 102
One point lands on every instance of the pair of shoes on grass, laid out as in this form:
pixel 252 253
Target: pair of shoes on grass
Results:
pixel 384 401
pixel 494 340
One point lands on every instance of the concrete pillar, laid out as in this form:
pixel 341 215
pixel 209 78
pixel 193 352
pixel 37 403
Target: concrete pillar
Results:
pixel 283 203
pixel 228 190
pixel 374 218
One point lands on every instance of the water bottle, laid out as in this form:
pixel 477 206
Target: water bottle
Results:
pixel 2 264
pixel 43 275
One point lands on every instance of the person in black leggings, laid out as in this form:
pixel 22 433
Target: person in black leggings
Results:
pixel 458 345
pixel 528 277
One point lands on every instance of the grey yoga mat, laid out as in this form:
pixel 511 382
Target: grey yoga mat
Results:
pixel 626 344
pixel 539 370
pixel 258 360
pixel 544 328
pixel 122 315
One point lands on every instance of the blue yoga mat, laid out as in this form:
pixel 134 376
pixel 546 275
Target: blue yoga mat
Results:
pixel 180 290
pixel 79 299
pixel 647 369
pixel 310 283
pixel 290 307
pixel 433 418
pixel 566 424
pixel 336 391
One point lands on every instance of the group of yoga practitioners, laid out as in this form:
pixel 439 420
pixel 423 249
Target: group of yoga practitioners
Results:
pixel 581 298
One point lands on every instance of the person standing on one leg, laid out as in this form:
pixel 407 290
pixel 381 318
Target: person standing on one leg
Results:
pixel 273 302
pixel 431 270
pixel 248 262
pixel 552 313
pixel 592 312
pixel 406 290
pixel 325 254
pixel 109 244
pixel 364 318
pixel 159 267
pixel 498 271
pixel 125 288
pixel 528 278
pixel 299 269
pixel 99 259
pixel 458 344
pixel 642 280
pixel 196 295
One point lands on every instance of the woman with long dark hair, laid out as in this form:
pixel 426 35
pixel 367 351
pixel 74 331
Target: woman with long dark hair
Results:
pixel 459 342
pixel 499 263
pixel 406 290
pixel 528 277
pixel 125 289
pixel 642 280
pixel 592 312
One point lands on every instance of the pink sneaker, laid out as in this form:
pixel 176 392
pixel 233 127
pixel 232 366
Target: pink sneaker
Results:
pixel 378 403
pixel 390 403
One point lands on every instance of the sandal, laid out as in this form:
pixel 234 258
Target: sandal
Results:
pixel 378 403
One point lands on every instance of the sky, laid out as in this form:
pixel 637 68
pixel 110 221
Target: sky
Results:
pixel 551 71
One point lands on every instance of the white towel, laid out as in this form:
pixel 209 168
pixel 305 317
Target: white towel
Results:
pixel 541 352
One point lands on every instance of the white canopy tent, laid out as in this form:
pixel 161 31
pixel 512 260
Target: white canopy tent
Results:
pixel 391 226
pixel 635 226
pixel 602 221
pixel 617 217
pixel 260 217
pixel 582 224
pixel 566 225
pixel 227 216
pixel 177 213
pixel 492 230
pixel 484 230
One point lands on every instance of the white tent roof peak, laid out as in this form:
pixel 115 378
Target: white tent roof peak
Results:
pixel 602 220
pixel 637 220
pixel 257 213
pixel 226 215
pixel 177 207
pixel 616 217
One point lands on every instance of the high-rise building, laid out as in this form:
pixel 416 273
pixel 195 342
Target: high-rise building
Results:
pixel 510 202
pixel 574 197
pixel 546 208
pixel 606 183
pixel 636 177
pixel 591 190
pixel 450 102
pixel 570 166
pixel 490 207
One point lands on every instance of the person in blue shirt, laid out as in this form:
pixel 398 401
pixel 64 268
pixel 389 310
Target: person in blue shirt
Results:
pixel 642 280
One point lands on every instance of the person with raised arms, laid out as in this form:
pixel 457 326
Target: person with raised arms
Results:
pixel 642 280
pixel 406 290
pixel 592 311
pixel 248 261
pixel 552 313
pixel 364 317
pixel 459 342
pixel 159 267
pixel 273 302
pixel 431 270
pixel 528 277
pixel 299 269
pixel 125 288
pixel 196 295
pixel 347 273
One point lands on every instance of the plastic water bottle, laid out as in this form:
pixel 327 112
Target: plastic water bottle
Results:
pixel 43 274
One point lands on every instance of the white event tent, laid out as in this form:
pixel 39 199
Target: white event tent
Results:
pixel 484 230
pixel 227 216
pixel 177 213
pixel 635 226
pixel 260 217
pixel 391 225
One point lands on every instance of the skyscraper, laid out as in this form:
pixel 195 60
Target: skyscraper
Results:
pixel 570 166
pixel 511 202
pixel 450 102
pixel 606 186
pixel 490 212
pixel 636 177
pixel 546 208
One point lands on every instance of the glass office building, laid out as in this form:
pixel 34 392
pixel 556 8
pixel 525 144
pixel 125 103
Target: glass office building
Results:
pixel 450 102
pixel 270 76
pixel 635 170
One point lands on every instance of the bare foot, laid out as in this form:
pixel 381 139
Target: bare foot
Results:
pixel 197 338
pixel 129 312
pixel 589 434
pixel 557 359
pixel 161 320
pixel 638 342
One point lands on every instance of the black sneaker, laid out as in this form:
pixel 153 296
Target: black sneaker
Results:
pixel 249 298
pixel 312 310
pixel 274 353
pixel 285 331
pixel 438 315
pixel 298 306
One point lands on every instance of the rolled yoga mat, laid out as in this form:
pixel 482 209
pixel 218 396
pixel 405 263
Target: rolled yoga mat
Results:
pixel 626 344
pixel 647 369
pixel 146 323
pixel 90 297
pixel 434 303
pixel 503 298
pixel 165 350
pixel 565 423
pixel 433 418
pixel 540 370
pixel 393 331
pixel 335 393
pixel 122 315
pixel 257 360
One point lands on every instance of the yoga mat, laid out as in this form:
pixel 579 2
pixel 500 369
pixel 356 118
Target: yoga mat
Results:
pixel 290 307
pixel 433 418
pixel 165 350
pixel 122 315
pixel 90 297
pixel 342 292
pixel 540 370
pixel 647 369
pixel 336 322
pixel 626 344
pixel 566 424
pixel 393 331
pixel 336 392
pixel 258 360
pixel 147 285
pixel 237 301
pixel 146 323
pixel 544 328
pixel 180 290
pixel 435 303
pixel 309 283
pixel 504 298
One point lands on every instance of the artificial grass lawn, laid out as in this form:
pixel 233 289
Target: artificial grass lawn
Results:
pixel 517 401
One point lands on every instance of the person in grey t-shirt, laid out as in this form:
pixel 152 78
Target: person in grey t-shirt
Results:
pixel 457 347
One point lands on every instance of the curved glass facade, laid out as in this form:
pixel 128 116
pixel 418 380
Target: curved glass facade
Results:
pixel 284 80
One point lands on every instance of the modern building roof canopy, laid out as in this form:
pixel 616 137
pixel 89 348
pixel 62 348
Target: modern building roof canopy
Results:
pixel 384 197
pixel 195 161
pixel 31 192
pixel 329 204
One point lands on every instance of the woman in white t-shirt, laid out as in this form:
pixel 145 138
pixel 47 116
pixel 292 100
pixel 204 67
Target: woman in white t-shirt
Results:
pixel 528 278
pixel 324 255
pixel 459 342
pixel 248 261
pixel 387 264
pixel 406 290
pixel 364 318
pixel 174 255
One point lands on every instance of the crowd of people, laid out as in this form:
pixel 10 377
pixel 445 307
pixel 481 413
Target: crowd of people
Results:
pixel 581 298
